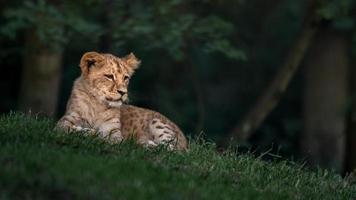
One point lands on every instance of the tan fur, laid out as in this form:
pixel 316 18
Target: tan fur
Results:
pixel 96 105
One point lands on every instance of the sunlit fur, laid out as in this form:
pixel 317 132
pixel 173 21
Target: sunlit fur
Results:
pixel 97 105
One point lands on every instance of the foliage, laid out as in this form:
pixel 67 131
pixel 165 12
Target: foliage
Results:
pixel 175 26
pixel 155 25
pixel 338 11
pixel 38 163
pixel 52 25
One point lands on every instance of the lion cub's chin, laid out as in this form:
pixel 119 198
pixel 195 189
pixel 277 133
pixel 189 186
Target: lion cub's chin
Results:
pixel 111 104
pixel 114 104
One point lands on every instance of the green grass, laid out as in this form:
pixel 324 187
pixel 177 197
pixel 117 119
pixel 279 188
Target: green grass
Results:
pixel 38 163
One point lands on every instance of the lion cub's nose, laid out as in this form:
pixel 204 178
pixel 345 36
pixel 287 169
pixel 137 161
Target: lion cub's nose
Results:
pixel 121 92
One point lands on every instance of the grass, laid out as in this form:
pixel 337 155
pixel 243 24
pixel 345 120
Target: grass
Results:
pixel 38 163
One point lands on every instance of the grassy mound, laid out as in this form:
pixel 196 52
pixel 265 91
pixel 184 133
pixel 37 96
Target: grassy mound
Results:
pixel 38 163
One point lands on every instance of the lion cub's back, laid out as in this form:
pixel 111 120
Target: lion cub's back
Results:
pixel 135 121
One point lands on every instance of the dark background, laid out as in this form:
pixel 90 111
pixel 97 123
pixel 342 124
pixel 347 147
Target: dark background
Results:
pixel 204 65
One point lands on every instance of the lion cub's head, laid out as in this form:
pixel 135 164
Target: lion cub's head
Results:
pixel 107 76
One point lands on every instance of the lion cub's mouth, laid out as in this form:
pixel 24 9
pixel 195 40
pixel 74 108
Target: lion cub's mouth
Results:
pixel 114 102
pixel 113 99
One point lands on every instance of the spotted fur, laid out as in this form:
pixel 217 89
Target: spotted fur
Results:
pixel 96 105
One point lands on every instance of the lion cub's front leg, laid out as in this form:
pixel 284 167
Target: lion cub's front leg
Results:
pixel 110 126
pixel 72 122
pixel 111 130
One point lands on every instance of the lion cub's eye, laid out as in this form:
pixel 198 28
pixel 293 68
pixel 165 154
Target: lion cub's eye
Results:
pixel 109 76
pixel 126 78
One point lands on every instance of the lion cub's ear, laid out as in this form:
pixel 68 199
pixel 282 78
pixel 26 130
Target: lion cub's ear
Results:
pixel 88 60
pixel 132 61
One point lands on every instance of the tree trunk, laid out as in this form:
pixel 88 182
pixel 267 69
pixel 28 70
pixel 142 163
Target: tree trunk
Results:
pixel 350 154
pixel 106 40
pixel 199 96
pixel 40 77
pixel 325 99
pixel 270 98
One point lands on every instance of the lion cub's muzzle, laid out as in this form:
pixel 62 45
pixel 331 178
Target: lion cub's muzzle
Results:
pixel 120 98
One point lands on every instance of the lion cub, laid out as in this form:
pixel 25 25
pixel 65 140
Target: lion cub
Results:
pixel 96 105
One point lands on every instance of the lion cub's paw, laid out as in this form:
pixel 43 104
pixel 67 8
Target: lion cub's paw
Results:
pixel 162 133
pixel 83 129
pixel 115 139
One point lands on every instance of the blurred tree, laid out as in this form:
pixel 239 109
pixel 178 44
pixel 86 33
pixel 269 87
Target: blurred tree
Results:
pixel 350 154
pixel 326 88
pixel 271 96
pixel 325 99
pixel 40 77
pixel 46 27
pixel 107 20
